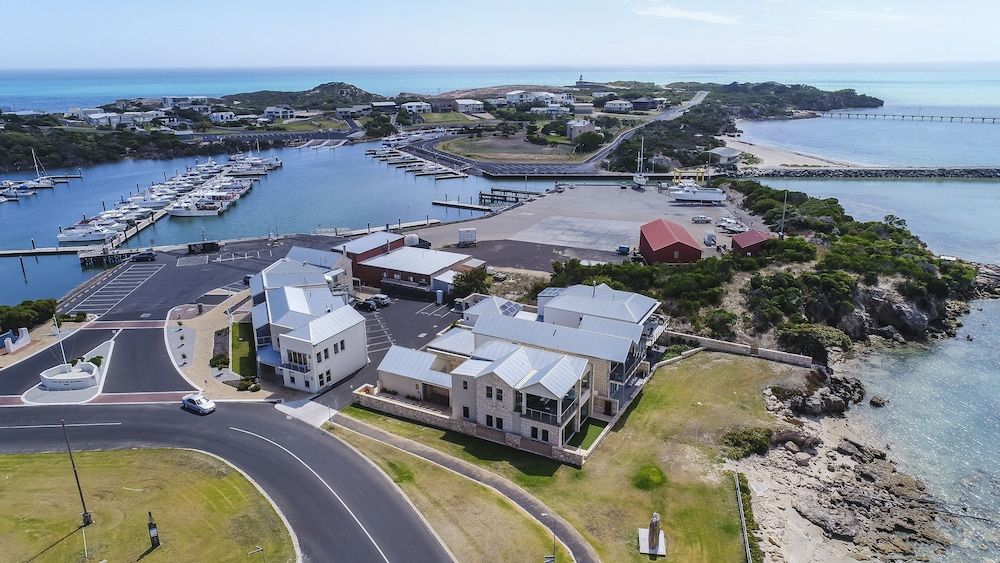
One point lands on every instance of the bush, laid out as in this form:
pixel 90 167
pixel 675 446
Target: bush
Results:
pixel 756 554
pixel 28 314
pixel 474 281
pixel 719 323
pixel 812 340
pixel 742 442
pixel 243 385
pixel 96 360
pixel 253 388
pixel 220 361
pixel 675 350
pixel 648 477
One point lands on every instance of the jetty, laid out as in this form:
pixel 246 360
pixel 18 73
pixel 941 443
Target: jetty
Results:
pixel 416 165
pixel 910 117
pixel 462 205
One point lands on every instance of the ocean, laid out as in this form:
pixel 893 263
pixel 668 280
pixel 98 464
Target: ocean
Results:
pixel 942 417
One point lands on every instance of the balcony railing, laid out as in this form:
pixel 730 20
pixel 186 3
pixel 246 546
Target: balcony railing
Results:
pixel 541 416
pixel 623 372
pixel 301 368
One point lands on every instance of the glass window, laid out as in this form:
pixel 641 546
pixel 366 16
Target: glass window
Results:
pixel 465 412
pixel 319 357
pixel 465 384
pixel 499 423
pixel 499 394
pixel 489 392
pixel 326 353
pixel 534 432
pixel 307 383
pixel 489 420
pixel 336 348
pixel 291 379
pixel 545 435
pixel 342 347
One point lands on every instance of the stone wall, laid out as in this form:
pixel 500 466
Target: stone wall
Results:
pixel 870 172
pixel 668 337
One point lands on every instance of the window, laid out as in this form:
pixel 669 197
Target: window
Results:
pixel 465 384
pixel 465 412
pixel 307 383
pixel 319 357
pixel 489 392
pixel 489 420
pixel 499 423
pixel 499 394
pixel 545 435
pixel 326 353
pixel 291 379
pixel 336 348
pixel 534 432
pixel 677 254
pixel 342 346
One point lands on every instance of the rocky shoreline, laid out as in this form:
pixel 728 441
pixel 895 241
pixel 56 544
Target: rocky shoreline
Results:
pixel 822 494
pixel 866 172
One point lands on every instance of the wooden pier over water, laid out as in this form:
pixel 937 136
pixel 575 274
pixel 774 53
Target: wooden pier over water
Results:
pixel 909 117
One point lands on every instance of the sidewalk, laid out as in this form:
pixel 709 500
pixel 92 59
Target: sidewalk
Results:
pixel 581 550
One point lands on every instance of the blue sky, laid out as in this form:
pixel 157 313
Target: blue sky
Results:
pixel 257 33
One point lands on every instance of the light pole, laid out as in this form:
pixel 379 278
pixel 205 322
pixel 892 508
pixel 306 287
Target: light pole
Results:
pixel 87 518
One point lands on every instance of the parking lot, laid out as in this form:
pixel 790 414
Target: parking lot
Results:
pixel 108 295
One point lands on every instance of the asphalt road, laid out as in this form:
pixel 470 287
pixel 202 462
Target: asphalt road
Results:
pixel 339 507
pixel 140 364
pixel 23 375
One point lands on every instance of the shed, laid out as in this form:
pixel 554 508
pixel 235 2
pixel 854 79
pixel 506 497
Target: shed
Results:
pixel 666 241
pixel 749 243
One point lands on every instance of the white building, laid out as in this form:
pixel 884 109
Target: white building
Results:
pixel 550 109
pixel 304 326
pixel 618 106
pixel 222 116
pixel 519 97
pixel 278 112
pixel 169 102
pixel 468 106
pixel 417 107
pixel 106 119
pixel 498 102
pixel 604 94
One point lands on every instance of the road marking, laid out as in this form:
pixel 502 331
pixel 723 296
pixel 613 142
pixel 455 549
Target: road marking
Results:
pixel 327 485
pixel 75 425
pixel 130 279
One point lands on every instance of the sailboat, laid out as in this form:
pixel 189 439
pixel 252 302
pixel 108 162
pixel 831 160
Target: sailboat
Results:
pixel 40 180
pixel 639 178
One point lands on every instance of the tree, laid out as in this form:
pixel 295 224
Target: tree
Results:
pixel 589 141
pixel 473 281
pixel 403 117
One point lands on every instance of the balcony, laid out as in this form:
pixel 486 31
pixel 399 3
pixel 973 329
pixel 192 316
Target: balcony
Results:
pixel 547 411
pixel 623 373
pixel 301 368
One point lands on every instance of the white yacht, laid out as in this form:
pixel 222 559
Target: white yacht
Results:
pixel 690 192
pixel 194 208
pixel 149 201
pixel 85 234
pixel 639 178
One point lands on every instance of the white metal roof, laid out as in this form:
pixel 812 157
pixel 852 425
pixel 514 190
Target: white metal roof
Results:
pixel 494 306
pixel 467 101
pixel 327 326
pixel 368 242
pixel 322 258
pixel 538 372
pixel 726 152
pixel 611 327
pixel 553 337
pixel 603 301
pixel 457 341
pixel 414 364
pixel 447 277
pixel 423 261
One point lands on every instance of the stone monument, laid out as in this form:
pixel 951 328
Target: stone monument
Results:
pixel 652 540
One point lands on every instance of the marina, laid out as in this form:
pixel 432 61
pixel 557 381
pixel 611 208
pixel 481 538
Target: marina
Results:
pixel 416 165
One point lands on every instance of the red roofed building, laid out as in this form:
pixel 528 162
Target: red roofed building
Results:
pixel 749 243
pixel 666 241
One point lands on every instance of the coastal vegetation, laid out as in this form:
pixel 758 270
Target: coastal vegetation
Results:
pixel 379 125
pixel 57 147
pixel 683 140
pixel 760 100
pixel 327 96
pixel 28 314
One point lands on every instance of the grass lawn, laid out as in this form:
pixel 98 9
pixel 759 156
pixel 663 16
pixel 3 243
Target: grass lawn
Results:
pixel 444 117
pixel 205 510
pixel 499 148
pixel 470 533
pixel 661 457
pixel 244 360
pixel 588 433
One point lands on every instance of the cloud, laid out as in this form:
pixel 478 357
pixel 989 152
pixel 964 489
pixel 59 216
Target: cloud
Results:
pixel 671 13
pixel 885 16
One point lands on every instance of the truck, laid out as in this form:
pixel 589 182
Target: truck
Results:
pixel 624 249
pixel 467 237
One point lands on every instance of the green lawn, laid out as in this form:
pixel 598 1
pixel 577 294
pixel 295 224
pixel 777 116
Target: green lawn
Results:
pixel 470 533
pixel 444 117
pixel 205 510
pixel 661 456
pixel 588 433
pixel 244 360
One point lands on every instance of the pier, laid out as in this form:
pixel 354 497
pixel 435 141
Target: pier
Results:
pixel 416 165
pixel 462 205
pixel 909 117
pixel 506 196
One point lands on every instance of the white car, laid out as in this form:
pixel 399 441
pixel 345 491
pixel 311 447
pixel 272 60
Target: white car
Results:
pixel 701 219
pixel 198 403
pixel 382 299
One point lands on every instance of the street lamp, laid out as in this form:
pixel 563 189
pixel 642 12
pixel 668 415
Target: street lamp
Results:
pixel 87 518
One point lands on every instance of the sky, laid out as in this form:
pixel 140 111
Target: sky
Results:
pixel 59 34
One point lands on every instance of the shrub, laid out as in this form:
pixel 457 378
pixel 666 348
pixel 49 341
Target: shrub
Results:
pixel 741 442
pixel 219 361
pixel 812 340
pixel 253 388
pixel 756 554
pixel 243 385
pixel 648 477
pixel 473 281
pixel 96 360
pixel 719 322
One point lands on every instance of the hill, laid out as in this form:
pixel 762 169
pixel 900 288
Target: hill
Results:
pixel 771 99
pixel 327 96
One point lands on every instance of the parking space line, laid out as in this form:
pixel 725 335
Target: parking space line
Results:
pixel 116 290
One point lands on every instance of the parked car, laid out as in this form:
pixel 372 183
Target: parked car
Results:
pixel 382 299
pixel 144 257
pixel 701 219
pixel 366 305
pixel 198 403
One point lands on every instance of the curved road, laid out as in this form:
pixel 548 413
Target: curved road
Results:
pixel 338 506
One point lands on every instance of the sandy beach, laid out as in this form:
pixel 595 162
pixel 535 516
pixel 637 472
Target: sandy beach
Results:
pixel 773 157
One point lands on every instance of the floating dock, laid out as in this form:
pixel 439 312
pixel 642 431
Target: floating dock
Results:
pixel 462 205
pixel 416 165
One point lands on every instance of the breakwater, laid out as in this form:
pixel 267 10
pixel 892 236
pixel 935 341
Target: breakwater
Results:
pixel 865 172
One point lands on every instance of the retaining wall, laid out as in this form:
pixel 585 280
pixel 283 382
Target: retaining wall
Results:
pixel 670 336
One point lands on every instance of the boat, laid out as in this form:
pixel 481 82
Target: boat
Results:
pixel 690 192
pixel 40 181
pixel 85 234
pixel 639 178
pixel 191 208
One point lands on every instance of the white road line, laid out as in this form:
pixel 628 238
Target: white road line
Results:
pixel 327 485
pixel 100 305
pixel 76 425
